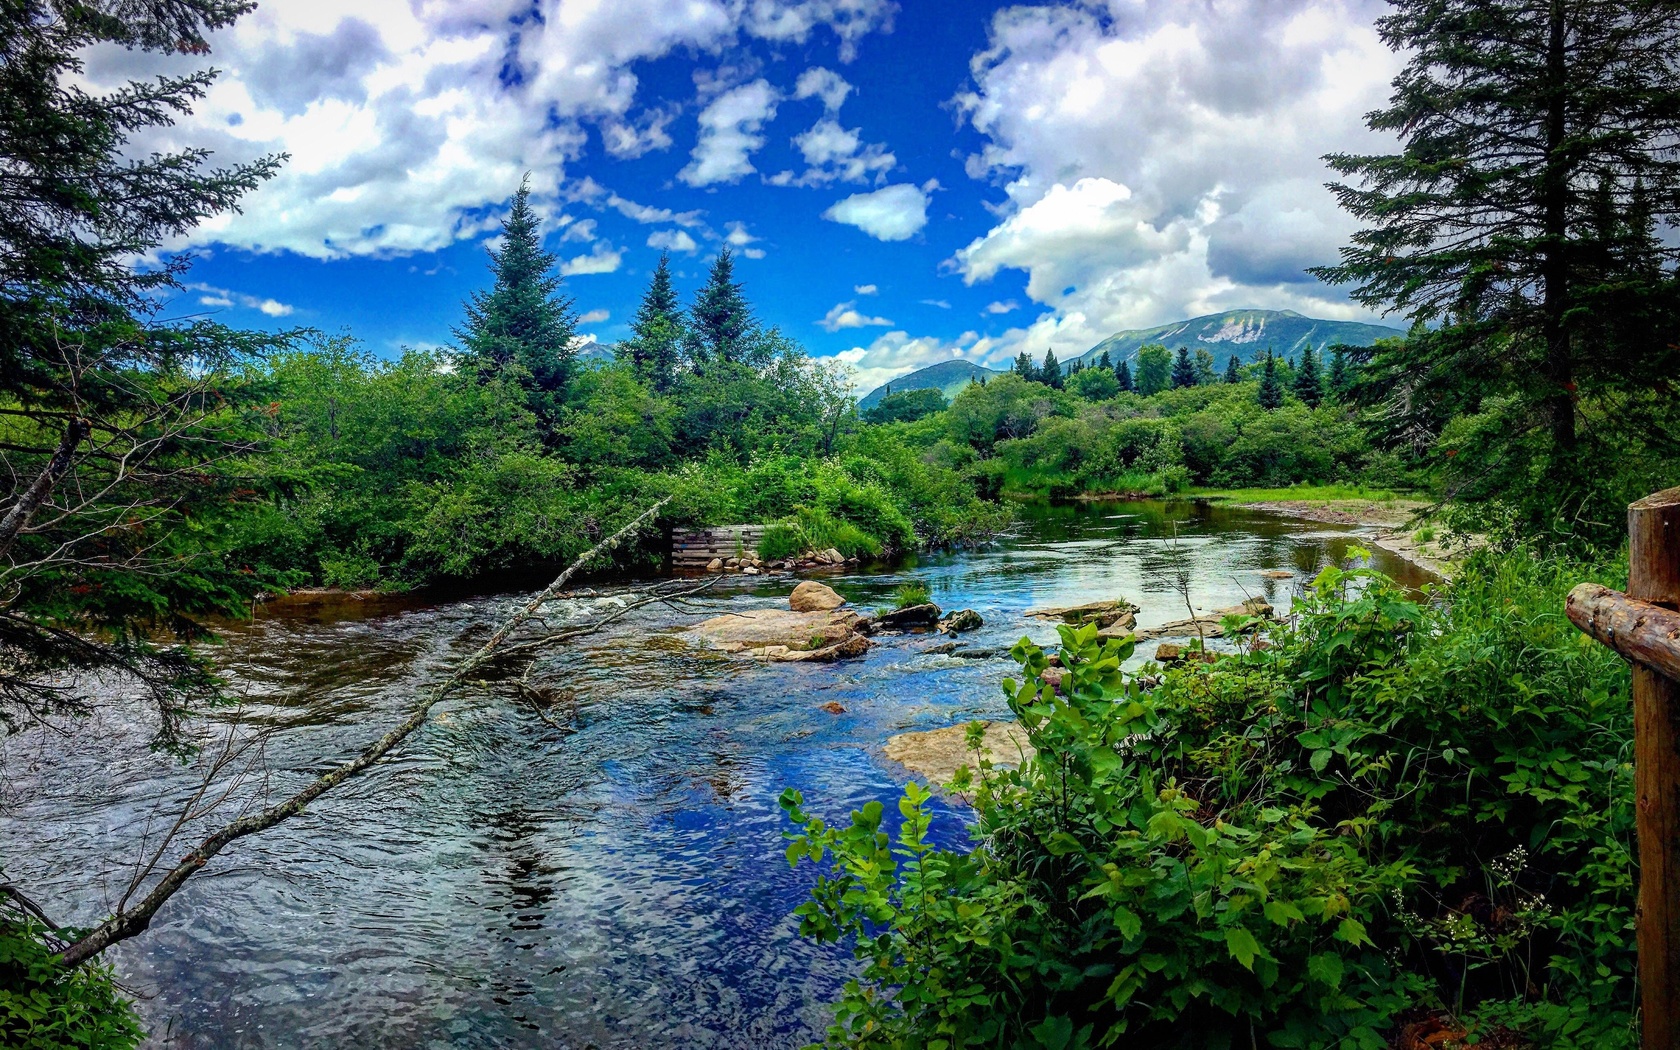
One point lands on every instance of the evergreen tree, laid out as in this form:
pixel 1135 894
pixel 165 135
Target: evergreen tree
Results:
pixel 654 348
pixel 1233 370
pixel 1050 373
pixel 1309 386
pixel 1024 366
pixel 1104 363
pixel 1339 378
pixel 521 328
pixel 721 318
pixel 1183 371
pixel 1123 372
pixel 1521 121
pixel 1075 367
pixel 1271 388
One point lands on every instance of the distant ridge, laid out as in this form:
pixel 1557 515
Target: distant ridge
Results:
pixel 1246 333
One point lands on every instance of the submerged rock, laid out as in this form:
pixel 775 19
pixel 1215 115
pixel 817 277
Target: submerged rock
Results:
pixel 960 621
pixel 937 754
pixel 811 596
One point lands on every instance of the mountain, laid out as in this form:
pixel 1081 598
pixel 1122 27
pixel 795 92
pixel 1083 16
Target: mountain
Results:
pixel 947 377
pixel 1246 333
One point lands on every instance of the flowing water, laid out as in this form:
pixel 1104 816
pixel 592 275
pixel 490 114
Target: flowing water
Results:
pixel 603 871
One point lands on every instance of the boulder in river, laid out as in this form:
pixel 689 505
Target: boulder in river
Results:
pixel 937 754
pixel 1103 613
pixel 784 635
pixel 1210 625
pixel 909 618
pixel 811 596
pixel 960 621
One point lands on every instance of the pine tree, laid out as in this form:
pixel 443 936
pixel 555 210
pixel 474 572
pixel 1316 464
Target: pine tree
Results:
pixel 1050 372
pixel 1183 372
pixel 1233 370
pixel 1339 378
pixel 1309 387
pixel 1075 367
pixel 721 318
pixel 654 348
pixel 1104 363
pixel 1205 374
pixel 1024 366
pixel 1123 373
pixel 1271 389
pixel 1519 120
pixel 520 327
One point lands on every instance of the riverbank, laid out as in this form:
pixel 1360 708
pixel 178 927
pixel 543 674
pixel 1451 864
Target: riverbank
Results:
pixel 1398 524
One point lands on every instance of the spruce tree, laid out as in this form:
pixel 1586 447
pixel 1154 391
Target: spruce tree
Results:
pixel 1050 372
pixel 721 319
pixel 655 346
pixel 1024 366
pixel 1123 373
pixel 521 328
pixel 1104 363
pixel 1339 379
pixel 1309 387
pixel 1183 371
pixel 1521 121
pixel 1271 389
pixel 1233 370
pixel 1205 374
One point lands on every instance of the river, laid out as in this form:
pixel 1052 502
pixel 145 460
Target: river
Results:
pixel 607 872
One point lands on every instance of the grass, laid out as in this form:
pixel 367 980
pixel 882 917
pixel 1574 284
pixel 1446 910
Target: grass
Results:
pixel 1306 493
pixel 913 593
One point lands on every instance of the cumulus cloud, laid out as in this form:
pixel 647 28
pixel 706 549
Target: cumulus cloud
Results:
pixel 892 213
pixel 739 239
pixel 845 315
pixel 223 298
pixel 1006 307
pixel 832 153
pixel 672 241
pixel 594 317
pixel 817 82
pixel 865 289
pixel 603 259
pixel 729 134
pixel 1163 159
pixel 408 124
pixel 896 353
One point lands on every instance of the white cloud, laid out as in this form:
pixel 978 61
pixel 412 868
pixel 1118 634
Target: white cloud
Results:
pixel 223 298
pixel 581 230
pixel 738 238
pixel 845 315
pixel 817 82
pixel 865 289
pixel 1008 307
pixel 672 241
pixel 603 259
pixel 729 134
pixel 941 303
pixel 893 213
pixel 896 353
pixel 1163 160
pixel 594 317
pixel 406 131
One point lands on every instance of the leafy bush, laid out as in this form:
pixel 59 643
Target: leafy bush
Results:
pixel 781 540
pixel 909 594
pixel 1392 804
pixel 44 1007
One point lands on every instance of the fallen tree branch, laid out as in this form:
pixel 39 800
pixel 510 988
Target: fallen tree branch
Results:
pixel 126 923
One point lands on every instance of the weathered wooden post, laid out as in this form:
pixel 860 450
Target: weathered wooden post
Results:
pixel 1644 627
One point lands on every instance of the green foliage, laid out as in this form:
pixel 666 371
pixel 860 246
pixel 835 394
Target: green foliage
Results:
pixel 1309 385
pixel 1154 370
pixel 906 406
pixel 1123 376
pixel 45 1007
pixel 722 320
pixel 654 348
pixel 1183 370
pixel 1233 370
pixel 1050 372
pixel 910 594
pixel 1094 384
pixel 1393 804
pixel 1270 395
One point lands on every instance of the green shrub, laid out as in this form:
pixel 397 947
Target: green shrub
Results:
pixel 781 540
pixel 43 1007
pixel 906 595
pixel 1394 805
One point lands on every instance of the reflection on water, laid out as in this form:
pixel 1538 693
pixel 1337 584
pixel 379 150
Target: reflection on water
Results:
pixel 605 872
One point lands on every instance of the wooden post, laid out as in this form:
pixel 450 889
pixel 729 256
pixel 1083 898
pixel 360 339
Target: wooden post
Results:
pixel 1654 577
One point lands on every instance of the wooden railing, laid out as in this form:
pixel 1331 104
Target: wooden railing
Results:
pixel 1643 626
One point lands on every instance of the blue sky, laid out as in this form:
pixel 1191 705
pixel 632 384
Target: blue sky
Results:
pixel 903 183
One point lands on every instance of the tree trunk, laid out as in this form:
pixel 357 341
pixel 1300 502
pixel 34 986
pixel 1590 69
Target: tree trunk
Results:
pixel 31 499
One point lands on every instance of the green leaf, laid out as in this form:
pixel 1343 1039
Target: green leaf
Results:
pixel 1326 969
pixel 1242 945
pixel 1352 931
pixel 1320 759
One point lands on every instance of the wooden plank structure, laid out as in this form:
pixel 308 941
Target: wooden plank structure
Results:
pixel 1643 626
pixel 694 548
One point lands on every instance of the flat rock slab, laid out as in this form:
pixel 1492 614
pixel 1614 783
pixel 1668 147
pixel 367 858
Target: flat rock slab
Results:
pixel 1103 613
pixel 782 634
pixel 937 754
pixel 1208 625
